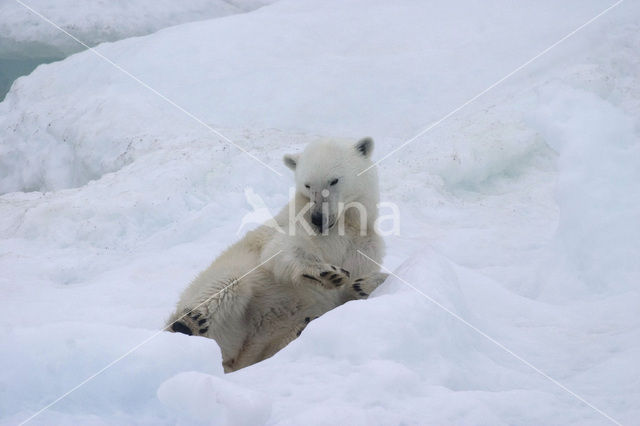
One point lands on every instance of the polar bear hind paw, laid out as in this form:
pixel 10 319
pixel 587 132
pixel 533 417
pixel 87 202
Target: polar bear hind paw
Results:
pixel 193 322
pixel 307 320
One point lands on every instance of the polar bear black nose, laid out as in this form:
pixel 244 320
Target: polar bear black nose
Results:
pixel 316 219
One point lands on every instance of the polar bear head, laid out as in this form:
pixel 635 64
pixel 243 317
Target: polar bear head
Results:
pixel 333 177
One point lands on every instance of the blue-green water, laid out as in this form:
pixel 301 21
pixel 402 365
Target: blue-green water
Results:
pixel 11 69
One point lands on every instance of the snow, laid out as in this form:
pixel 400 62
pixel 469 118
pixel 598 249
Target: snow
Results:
pixel 25 33
pixel 208 397
pixel 519 216
pixel 27 40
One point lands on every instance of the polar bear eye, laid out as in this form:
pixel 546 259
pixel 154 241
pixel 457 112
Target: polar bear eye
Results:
pixel 333 182
pixel 307 186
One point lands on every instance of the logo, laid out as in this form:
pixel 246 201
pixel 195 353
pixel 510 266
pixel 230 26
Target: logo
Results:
pixel 304 219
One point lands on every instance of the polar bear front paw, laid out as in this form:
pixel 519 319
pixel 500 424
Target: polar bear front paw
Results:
pixel 327 275
pixel 193 322
pixel 362 287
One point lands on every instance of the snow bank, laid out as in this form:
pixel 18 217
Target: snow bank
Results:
pixel 311 70
pixel 599 203
pixel 518 215
pixel 27 40
pixel 23 33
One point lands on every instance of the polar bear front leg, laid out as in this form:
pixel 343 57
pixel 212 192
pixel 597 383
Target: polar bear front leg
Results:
pixel 301 267
pixel 327 275
pixel 362 287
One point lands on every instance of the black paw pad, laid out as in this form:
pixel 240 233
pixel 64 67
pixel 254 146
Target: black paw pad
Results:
pixel 179 327
pixel 203 330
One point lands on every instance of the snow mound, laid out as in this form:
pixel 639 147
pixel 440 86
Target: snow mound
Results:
pixel 599 204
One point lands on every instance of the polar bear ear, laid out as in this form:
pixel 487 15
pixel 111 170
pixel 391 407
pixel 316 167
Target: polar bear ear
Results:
pixel 291 160
pixel 365 147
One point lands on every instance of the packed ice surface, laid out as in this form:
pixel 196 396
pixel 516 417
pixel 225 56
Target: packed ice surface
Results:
pixel 515 296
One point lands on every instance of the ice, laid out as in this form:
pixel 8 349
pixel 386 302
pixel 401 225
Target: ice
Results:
pixel 599 205
pixel 516 261
pixel 334 77
pixel 27 40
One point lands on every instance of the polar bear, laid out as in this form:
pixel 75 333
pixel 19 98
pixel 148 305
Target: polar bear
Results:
pixel 260 293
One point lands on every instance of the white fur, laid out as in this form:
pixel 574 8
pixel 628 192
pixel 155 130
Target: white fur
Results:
pixel 255 316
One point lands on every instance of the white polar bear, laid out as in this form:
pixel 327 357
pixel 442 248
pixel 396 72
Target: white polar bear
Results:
pixel 260 293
